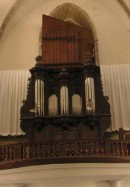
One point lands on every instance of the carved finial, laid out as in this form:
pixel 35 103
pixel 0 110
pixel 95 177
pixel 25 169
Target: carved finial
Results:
pixel 38 60
pixel 90 56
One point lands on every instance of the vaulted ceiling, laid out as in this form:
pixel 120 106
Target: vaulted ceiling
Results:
pixel 12 10
pixel 21 21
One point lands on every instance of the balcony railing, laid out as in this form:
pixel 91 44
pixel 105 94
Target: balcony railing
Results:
pixel 64 151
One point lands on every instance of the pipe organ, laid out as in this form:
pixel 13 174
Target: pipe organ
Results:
pixel 65 98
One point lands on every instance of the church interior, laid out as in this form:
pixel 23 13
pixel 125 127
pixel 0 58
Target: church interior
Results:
pixel 64 100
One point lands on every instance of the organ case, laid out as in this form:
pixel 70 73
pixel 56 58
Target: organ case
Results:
pixel 65 98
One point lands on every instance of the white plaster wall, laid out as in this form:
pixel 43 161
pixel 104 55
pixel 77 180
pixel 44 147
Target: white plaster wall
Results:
pixel 68 175
pixel 5 6
pixel 125 183
pixel 70 184
pixel 127 3
pixel 87 184
pixel 20 46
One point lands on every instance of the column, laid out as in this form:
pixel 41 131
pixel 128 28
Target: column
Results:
pixel 115 183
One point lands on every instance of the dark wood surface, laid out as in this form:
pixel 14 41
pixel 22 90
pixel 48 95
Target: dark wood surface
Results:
pixel 64 42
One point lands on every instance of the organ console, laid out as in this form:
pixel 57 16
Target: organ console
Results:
pixel 65 98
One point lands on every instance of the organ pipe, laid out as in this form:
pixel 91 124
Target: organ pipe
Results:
pixel 64 105
pixel 76 104
pixel 39 97
pixel 53 105
pixel 90 95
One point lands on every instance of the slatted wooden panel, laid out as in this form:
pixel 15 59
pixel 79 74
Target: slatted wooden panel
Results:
pixel 60 47
pixel 64 42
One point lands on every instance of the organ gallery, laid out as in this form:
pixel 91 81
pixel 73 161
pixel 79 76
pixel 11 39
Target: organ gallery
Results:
pixel 65 116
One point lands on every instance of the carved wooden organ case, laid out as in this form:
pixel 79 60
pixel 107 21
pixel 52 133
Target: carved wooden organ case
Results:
pixel 65 98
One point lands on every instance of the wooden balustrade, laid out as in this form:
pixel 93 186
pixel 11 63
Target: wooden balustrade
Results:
pixel 59 149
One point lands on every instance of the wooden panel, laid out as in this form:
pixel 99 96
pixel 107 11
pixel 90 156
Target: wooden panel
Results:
pixel 60 47
pixel 85 43
pixel 64 42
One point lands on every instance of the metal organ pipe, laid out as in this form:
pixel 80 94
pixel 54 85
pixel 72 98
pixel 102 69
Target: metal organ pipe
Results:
pixel 53 105
pixel 90 95
pixel 64 100
pixel 39 97
pixel 76 104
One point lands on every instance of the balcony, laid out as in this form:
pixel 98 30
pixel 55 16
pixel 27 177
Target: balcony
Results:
pixel 55 152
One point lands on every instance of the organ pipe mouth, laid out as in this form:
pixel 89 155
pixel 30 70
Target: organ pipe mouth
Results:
pixel 33 110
